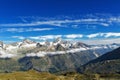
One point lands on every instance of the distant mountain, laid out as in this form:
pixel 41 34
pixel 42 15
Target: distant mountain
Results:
pixel 58 55
pixel 29 48
pixel 107 63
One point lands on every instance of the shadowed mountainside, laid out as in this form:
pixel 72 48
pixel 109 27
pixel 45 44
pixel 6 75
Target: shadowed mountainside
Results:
pixel 107 63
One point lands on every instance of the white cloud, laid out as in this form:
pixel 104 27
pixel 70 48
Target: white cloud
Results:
pixel 115 19
pixel 94 35
pixel 38 23
pixel 24 29
pixel 18 37
pixel 105 24
pixel 13 30
pixel 35 37
pixel 45 37
pixel 51 36
pixel 39 29
pixel 103 20
pixel 102 41
pixel 104 35
pixel 74 36
pixel 62 23
pixel 110 34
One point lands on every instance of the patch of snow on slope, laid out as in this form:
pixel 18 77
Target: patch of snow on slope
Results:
pixel 95 54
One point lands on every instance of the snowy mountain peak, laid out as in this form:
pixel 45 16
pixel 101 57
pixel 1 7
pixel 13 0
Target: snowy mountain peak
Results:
pixel 58 40
pixel 80 44
pixel 29 47
pixel 28 41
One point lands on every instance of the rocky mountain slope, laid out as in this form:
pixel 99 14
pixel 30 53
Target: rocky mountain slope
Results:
pixel 107 63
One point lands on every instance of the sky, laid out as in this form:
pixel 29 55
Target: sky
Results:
pixel 89 21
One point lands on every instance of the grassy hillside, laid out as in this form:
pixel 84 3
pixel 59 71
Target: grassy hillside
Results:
pixel 34 75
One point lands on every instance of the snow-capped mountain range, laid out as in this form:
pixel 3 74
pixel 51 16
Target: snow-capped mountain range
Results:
pixel 58 46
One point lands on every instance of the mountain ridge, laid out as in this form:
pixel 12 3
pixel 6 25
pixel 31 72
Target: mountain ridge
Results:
pixel 60 46
pixel 107 63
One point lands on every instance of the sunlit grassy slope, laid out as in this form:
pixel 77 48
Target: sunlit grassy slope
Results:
pixel 34 75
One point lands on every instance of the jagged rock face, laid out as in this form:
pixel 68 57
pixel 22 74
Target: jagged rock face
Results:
pixel 59 47
pixel 38 45
pixel 1 44
pixel 47 43
pixel 79 44
pixel 58 40
pixel 14 44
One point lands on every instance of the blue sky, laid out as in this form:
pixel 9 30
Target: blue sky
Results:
pixel 41 20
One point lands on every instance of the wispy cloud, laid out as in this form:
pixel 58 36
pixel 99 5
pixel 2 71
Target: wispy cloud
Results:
pixel 110 34
pixel 66 21
pixel 24 29
pixel 51 36
pixel 95 35
pixel 104 35
pixel 59 23
pixel 103 21
pixel 19 37
pixel 45 37
pixel 72 36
